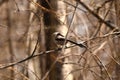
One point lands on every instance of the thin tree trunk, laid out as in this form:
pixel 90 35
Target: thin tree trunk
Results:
pixel 10 44
pixel 34 68
pixel 117 41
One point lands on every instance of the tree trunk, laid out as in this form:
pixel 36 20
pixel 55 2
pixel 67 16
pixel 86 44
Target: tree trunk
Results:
pixel 53 24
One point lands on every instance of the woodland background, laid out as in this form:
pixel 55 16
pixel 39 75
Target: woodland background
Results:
pixel 28 50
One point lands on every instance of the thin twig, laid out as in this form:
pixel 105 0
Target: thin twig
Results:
pixel 97 59
pixel 97 16
pixel 70 25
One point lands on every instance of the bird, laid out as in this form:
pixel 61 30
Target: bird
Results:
pixel 60 40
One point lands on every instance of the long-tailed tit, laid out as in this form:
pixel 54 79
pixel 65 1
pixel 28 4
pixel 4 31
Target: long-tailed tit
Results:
pixel 60 40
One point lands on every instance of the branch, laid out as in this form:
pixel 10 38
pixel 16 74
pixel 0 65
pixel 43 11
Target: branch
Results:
pixel 97 16
pixel 28 58
pixel 3 66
